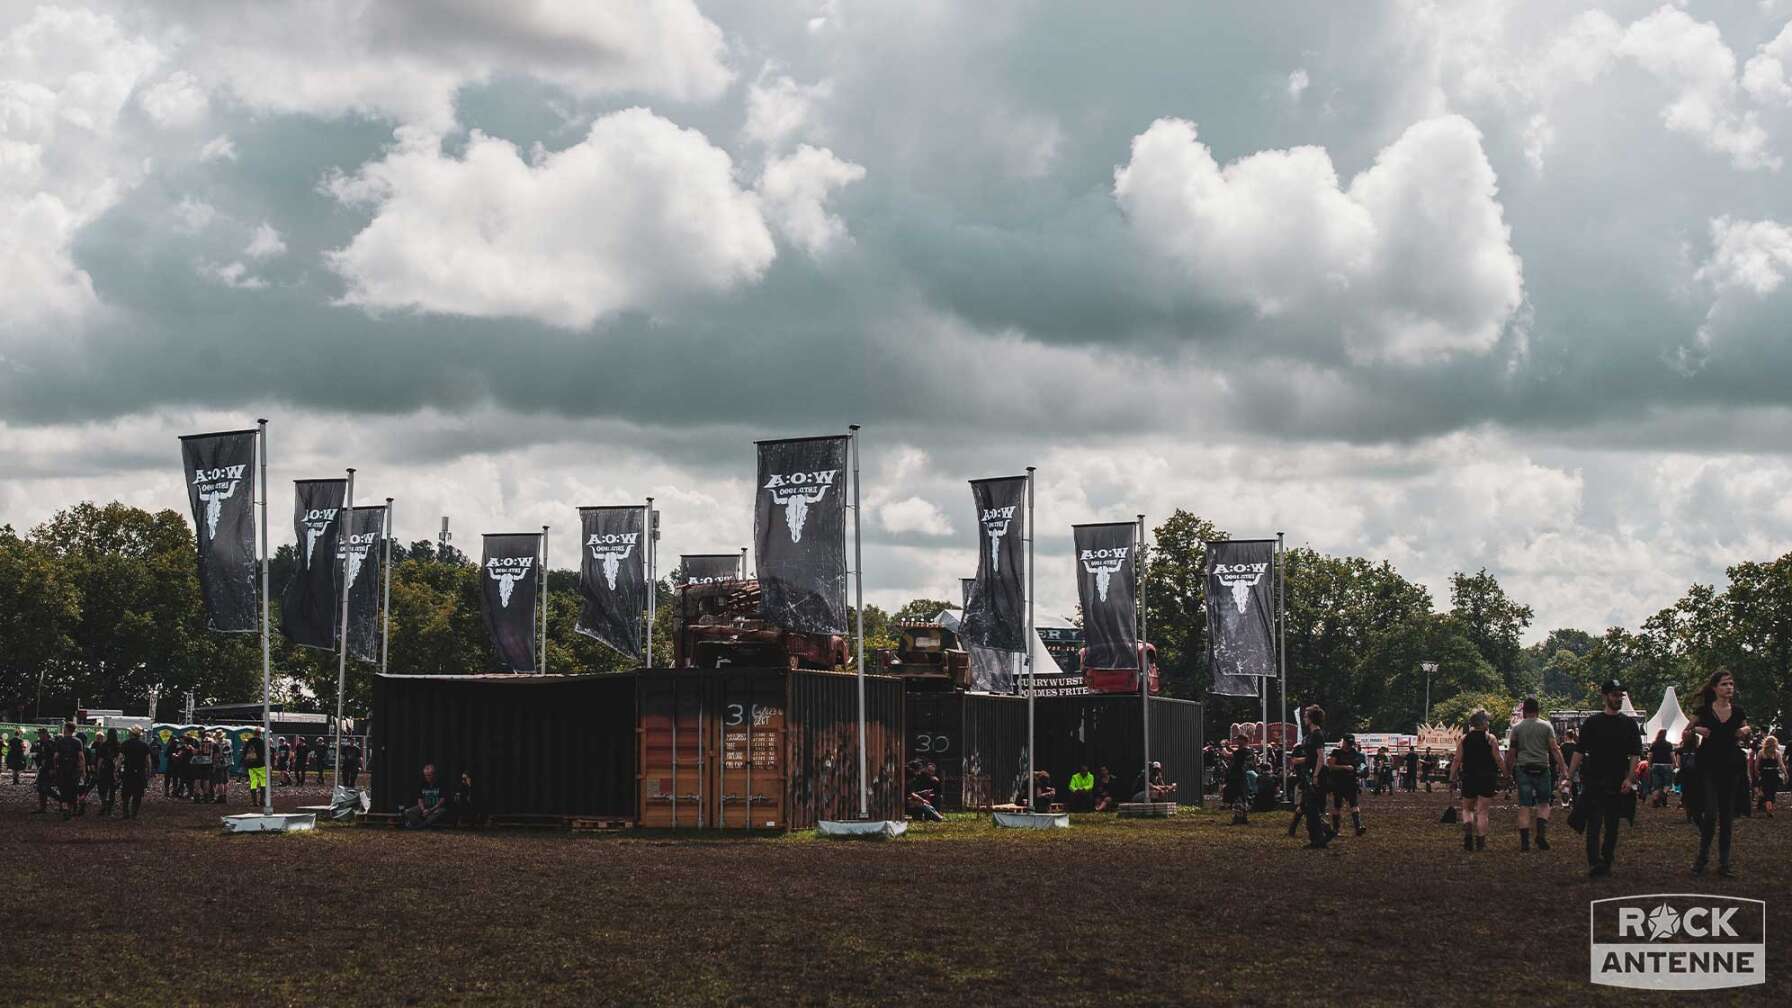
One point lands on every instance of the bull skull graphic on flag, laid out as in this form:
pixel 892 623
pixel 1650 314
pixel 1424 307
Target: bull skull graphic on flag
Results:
pixel 611 550
pixel 214 487
pixel 1240 579
pixel 995 524
pixel 795 492
pixel 507 571
pixel 1103 563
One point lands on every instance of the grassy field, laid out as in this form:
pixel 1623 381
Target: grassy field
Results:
pixel 1186 911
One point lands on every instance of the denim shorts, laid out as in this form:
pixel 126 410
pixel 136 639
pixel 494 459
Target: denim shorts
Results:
pixel 1662 776
pixel 1534 787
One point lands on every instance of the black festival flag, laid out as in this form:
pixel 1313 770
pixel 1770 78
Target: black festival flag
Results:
pixel 799 529
pixel 507 591
pixel 613 576
pixel 1107 584
pixel 995 615
pixel 310 607
pixel 708 568
pixel 220 470
pixel 366 526
pixel 1241 643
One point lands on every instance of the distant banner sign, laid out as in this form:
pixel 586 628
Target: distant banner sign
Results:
pixel 1240 604
pixel 309 607
pixel 1107 585
pixel 613 576
pixel 507 592
pixel 1055 686
pixel 799 530
pixel 995 614
pixel 361 550
pixel 708 568
pixel 220 475
pixel 1065 645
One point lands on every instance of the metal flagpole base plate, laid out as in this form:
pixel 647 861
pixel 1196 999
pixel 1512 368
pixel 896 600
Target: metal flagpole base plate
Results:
pixel 1032 820
pixel 279 822
pixel 1147 810
pixel 862 829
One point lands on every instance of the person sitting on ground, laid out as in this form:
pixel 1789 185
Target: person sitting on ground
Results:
pixel 1160 791
pixel 1105 785
pixel 431 804
pixel 923 794
pixel 1082 790
pixel 465 802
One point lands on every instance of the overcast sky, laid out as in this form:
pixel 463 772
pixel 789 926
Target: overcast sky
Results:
pixel 1488 285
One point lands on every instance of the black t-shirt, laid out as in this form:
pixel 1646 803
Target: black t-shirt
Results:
pixel 1412 761
pixel 251 753
pixel 1312 753
pixel 1606 743
pixel 1345 775
pixel 136 756
pixel 351 756
pixel 924 784
pixel 429 793
pixel 1720 749
pixel 67 750
pixel 1661 752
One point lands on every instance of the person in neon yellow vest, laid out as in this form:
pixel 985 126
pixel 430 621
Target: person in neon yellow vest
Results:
pixel 1082 789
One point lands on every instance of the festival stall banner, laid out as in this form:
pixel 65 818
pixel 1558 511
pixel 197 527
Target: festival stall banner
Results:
pixel 799 530
pixel 507 592
pixel 1107 584
pixel 310 607
pixel 708 568
pixel 996 611
pixel 220 474
pixel 613 576
pixel 361 551
pixel 1240 603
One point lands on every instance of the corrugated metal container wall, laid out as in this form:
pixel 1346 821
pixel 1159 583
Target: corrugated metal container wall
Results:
pixel 935 734
pixel 1096 731
pixel 556 746
pixel 752 780
pixel 822 723
pixel 995 749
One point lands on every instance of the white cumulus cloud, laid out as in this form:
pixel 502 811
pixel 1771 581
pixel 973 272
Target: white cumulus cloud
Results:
pixel 796 189
pixel 1410 261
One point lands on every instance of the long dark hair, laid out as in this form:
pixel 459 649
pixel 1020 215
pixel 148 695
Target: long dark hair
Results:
pixel 1708 692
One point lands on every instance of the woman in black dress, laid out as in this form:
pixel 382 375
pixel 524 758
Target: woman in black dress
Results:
pixel 1477 768
pixel 1770 773
pixel 1721 726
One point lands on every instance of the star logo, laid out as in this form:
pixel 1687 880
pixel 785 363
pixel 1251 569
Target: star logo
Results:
pixel 1664 922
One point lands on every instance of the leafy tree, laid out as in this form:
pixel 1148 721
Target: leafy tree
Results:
pixel 1175 618
pixel 1495 623
pixel 1456 710
pixel 42 607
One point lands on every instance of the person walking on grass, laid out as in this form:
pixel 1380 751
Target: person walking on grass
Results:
pixel 1344 785
pixel 15 755
pixel 1770 773
pixel 134 761
pixel 1476 767
pixel 1312 754
pixel 68 766
pixel 1530 759
pixel 1722 728
pixel 1610 746
pixel 255 766
pixel 1662 763
pixel 105 774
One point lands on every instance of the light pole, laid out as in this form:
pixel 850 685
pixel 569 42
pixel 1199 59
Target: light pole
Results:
pixel 1429 667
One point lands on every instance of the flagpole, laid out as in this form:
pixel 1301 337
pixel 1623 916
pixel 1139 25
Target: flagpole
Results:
pixel 649 558
pixel 858 568
pixel 345 528
pixel 544 600
pixel 386 601
pixel 743 563
pixel 1282 642
pixel 1144 666
pixel 267 718
pixel 1032 672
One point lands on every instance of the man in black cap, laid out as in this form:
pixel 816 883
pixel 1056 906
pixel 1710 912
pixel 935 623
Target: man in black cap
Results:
pixel 1610 746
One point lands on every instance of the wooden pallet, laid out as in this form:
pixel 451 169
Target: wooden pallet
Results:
pixel 386 819
pixel 1147 810
pixel 583 825
pixel 529 821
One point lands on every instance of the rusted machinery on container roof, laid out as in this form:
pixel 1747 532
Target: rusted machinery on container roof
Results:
pixel 718 626
pixel 926 653
pixel 1121 680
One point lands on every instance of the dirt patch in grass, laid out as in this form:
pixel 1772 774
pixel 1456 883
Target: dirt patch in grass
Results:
pixel 1191 910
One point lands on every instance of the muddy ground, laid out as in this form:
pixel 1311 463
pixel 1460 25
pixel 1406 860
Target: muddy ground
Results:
pixel 164 910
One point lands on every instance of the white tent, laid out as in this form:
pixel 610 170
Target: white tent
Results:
pixel 1668 716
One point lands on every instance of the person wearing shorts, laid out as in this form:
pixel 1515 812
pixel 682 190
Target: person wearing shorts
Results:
pixel 1662 763
pixel 1530 758
pixel 1345 787
pixel 221 758
pixel 255 764
pixel 1476 767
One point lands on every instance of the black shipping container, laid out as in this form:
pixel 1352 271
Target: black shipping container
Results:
pixel 767 748
pixel 1097 731
pixel 535 745
pixel 978 741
